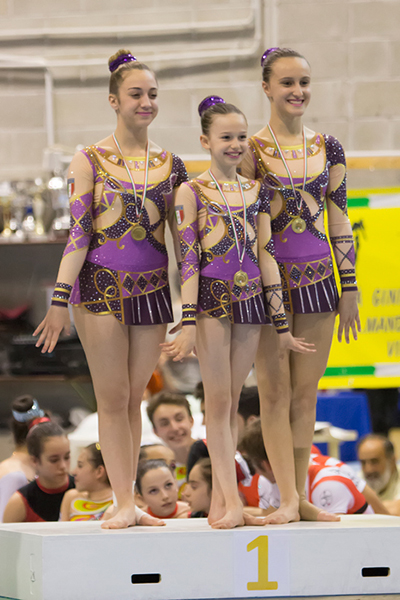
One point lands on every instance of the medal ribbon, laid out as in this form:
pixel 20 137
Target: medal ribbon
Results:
pixel 146 173
pixel 287 166
pixel 240 254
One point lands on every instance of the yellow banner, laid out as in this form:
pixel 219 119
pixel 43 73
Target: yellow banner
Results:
pixel 374 360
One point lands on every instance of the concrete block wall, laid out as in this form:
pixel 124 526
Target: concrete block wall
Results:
pixel 353 47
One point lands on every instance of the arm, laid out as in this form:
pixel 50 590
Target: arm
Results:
pixel 272 281
pixel 65 509
pixel 15 511
pixel 57 317
pixel 375 502
pixel 186 214
pixel 341 237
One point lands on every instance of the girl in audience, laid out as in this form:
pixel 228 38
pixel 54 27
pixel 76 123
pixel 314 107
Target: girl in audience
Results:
pixel 306 173
pixel 222 291
pixel 92 494
pixel 114 270
pixel 158 490
pixel 198 489
pixel 17 470
pixel 40 500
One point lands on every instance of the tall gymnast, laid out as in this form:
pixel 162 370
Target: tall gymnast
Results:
pixel 114 270
pixel 222 290
pixel 307 173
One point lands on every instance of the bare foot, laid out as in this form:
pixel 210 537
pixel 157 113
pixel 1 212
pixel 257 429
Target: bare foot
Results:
pixel 217 511
pixel 232 518
pixel 309 512
pixel 143 518
pixel 286 513
pixel 253 520
pixel 123 518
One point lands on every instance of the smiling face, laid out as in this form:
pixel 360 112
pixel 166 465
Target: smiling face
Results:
pixel 226 139
pixel 136 102
pixel 173 425
pixel 159 491
pixel 52 466
pixel 288 87
pixel 197 492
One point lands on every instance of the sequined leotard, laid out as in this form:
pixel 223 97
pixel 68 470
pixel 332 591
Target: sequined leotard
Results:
pixel 304 259
pixel 122 276
pixel 210 256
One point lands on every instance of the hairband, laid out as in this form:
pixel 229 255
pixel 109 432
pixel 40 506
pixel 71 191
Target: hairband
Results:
pixel 37 421
pixel 34 412
pixel 208 102
pixel 122 58
pixel 266 54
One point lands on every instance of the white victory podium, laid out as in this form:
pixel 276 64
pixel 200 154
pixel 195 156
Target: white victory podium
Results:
pixel 188 560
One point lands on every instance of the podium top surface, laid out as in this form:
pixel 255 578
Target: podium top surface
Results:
pixel 191 526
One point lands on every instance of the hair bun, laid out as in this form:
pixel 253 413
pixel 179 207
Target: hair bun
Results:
pixel 266 54
pixel 120 60
pixel 209 101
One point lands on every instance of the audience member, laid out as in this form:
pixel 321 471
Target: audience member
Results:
pixel 92 494
pixel 17 469
pixel 40 500
pixel 198 489
pixel 378 463
pixel 328 486
pixel 157 452
pixel 158 490
pixel 172 422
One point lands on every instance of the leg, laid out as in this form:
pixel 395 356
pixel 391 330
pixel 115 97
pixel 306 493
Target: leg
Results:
pixel 306 371
pixel 274 385
pixel 214 349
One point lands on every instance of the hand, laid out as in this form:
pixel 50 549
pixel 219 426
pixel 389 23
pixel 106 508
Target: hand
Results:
pixel 288 342
pixel 56 320
pixel 349 318
pixel 182 345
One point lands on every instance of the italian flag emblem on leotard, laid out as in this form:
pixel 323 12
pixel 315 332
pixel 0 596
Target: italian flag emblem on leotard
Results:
pixel 179 214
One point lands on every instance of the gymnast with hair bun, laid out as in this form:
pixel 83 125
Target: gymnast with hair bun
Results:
pixel 306 173
pixel 227 258
pixel 114 270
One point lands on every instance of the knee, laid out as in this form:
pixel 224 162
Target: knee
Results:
pixel 304 400
pixel 113 401
pixel 218 406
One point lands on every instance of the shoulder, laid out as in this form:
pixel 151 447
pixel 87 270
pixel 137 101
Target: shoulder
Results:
pixel 71 495
pixel 334 149
pixel 183 510
pixel 15 511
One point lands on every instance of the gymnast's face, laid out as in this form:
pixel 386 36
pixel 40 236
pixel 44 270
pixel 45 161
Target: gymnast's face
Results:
pixel 159 491
pixel 53 465
pixel 136 103
pixel 288 87
pixel 197 493
pixel 226 139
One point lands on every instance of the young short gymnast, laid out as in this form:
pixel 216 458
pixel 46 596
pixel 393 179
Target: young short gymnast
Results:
pixel 158 490
pixel 222 290
pixel 114 269
pixel 40 500
pixel 92 495
pixel 306 171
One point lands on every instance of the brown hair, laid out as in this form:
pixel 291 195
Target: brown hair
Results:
pixel 252 443
pixel 276 55
pixel 39 434
pixel 117 76
pixel 166 398
pixel 217 109
pixel 145 466
pixel 96 458
pixel 20 430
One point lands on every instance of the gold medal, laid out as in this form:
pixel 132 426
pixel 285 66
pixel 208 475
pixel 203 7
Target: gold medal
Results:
pixel 298 225
pixel 138 233
pixel 240 278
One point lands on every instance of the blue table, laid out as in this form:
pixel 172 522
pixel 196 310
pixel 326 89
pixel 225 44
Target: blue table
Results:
pixel 348 410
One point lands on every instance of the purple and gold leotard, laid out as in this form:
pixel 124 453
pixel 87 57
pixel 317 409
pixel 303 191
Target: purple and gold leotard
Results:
pixel 305 259
pixel 121 275
pixel 208 247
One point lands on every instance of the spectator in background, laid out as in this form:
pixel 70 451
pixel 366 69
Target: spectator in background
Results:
pixel 40 500
pixel 157 489
pixel 172 422
pixel 198 489
pixel 93 494
pixel 17 470
pixel 157 452
pixel 379 468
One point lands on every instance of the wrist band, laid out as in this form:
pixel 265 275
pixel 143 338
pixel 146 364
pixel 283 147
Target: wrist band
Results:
pixel 189 312
pixel 273 295
pixel 348 280
pixel 61 294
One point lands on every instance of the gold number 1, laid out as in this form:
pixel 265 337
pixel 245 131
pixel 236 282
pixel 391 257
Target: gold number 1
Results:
pixel 261 542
